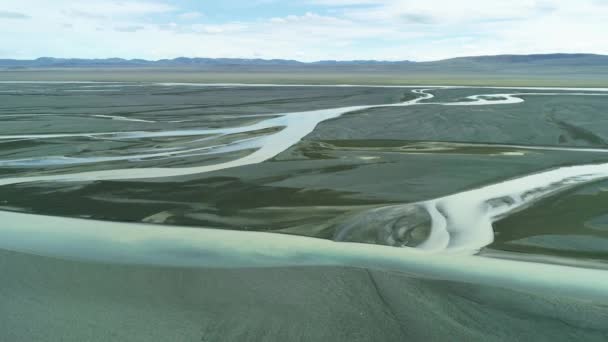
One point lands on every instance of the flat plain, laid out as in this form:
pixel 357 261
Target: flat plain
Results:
pixel 392 169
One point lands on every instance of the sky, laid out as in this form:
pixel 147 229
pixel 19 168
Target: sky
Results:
pixel 305 30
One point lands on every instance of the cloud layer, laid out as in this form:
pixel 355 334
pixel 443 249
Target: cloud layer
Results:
pixel 305 30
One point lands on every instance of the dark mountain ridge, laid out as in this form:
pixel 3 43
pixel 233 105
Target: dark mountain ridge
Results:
pixel 537 59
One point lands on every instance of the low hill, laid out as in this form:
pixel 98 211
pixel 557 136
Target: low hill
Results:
pixel 539 69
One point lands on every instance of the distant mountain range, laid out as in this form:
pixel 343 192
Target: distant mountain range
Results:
pixel 50 62
pixel 477 62
pixel 583 70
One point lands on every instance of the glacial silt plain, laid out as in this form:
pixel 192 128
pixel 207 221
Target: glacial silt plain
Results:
pixel 166 211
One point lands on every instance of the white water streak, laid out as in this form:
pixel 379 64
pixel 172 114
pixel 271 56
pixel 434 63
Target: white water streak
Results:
pixel 461 222
pixel 122 118
pixel 295 127
pixel 141 244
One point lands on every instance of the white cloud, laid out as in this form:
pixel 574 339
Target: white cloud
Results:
pixel 337 29
pixel 231 28
pixel 120 8
pixel 91 8
pixel 489 27
pixel 13 15
pixel 190 15
pixel 445 12
pixel 130 28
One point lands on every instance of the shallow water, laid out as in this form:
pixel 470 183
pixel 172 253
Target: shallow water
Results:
pixel 489 187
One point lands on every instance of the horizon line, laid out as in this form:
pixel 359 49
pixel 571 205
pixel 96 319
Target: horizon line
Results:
pixel 306 62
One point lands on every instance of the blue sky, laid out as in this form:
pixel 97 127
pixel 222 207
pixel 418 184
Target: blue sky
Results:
pixel 306 30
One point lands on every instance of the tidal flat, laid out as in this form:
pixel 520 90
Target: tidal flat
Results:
pixel 226 212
